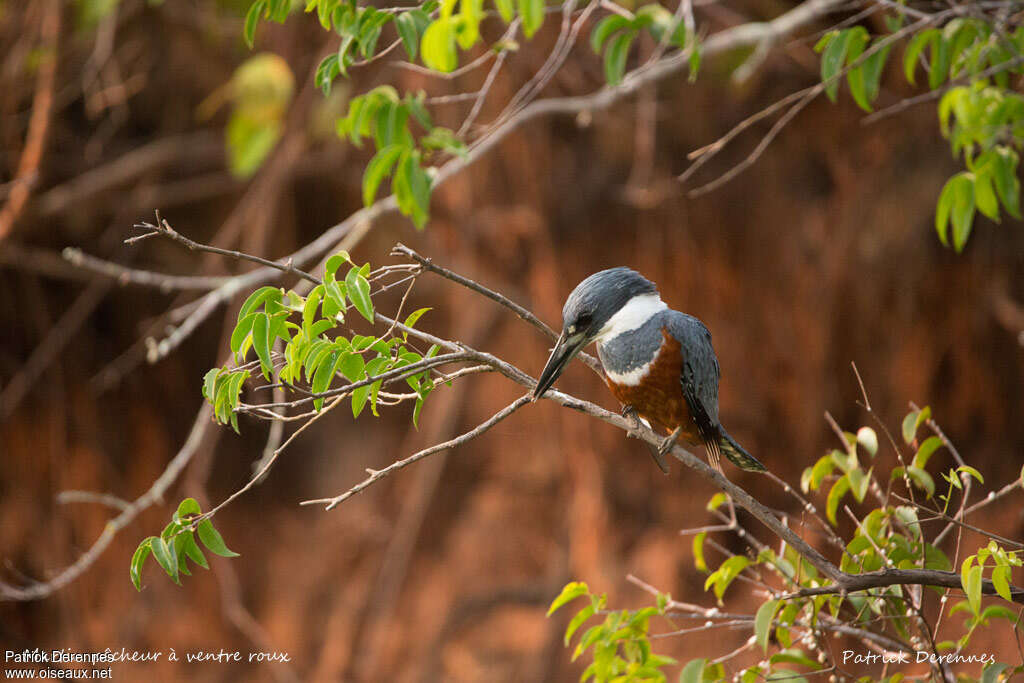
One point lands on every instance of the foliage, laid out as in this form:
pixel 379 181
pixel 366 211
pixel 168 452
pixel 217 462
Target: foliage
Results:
pixel 311 359
pixel 310 363
pixel 791 628
pixel 620 645
pixel 261 90
pixel 176 544
pixel 968 59
pixel 436 33
pixel 969 62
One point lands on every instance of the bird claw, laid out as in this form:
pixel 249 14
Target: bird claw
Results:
pixel 669 442
pixel 629 412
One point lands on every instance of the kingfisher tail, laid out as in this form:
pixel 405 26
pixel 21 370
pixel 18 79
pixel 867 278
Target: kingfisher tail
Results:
pixel 736 453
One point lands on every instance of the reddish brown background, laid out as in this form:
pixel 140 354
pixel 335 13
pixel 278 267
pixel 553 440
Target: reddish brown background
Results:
pixel 822 254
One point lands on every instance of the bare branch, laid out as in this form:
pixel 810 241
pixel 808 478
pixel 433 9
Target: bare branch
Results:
pixel 37 591
pixel 164 228
pixel 376 475
pixel 147 278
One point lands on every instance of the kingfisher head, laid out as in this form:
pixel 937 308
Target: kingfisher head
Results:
pixel 603 306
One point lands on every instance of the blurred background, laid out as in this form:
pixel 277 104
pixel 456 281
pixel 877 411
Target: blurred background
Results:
pixel 822 254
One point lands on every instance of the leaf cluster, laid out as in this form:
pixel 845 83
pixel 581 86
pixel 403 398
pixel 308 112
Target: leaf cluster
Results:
pixel 176 544
pixel 615 34
pixel 620 645
pixel 313 360
pixel 385 117
pixel 979 112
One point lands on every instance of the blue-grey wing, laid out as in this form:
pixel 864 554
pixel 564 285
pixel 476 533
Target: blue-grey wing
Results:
pixel 700 372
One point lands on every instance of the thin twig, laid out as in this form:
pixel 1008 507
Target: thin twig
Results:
pixel 376 475
pixel 153 495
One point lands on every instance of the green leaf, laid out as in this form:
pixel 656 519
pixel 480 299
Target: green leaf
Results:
pixel 261 342
pixel 410 321
pixel 164 557
pixel 192 550
pixel 532 14
pixel 763 622
pixel 971 471
pixel 970 579
pixel 915 48
pixel 868 440
pixel 698 552
pixel 1006 181
pixel 138 559
pixel 795 657
pixel 187 507
pixel 405 24
pixel 725 574
pixel 1001 582
pixel 352 366
pixel 821 469
pixel 571 591
pixel 470 14
pixel 417 408
pixel 693 672
pixel 604 29
pixel 438 45
pixel 332 265
pixel 913 421
pixel 856 43
pixel 823 42
pixel 985 194
pixel 326 72
pixel 694 65
pixel 358 289
pixel 835 495
pixel 956 203
pixel 322 374
pixel 993 672
pixel 872 68
pixel 378 169
pixel 261 297
pixel 859 482
pixel 716 501
pixel 241 331
pixel 922 479
pixel 506 9
pixel 359 397
pixel 615 56
pixel 252 17
pixel 209 382
pixel 999 612
pixel 577 621
pixel 250 140
pixel 832 59
pixel 925 451
pixel 212 539
pixel 412 188
pixel 941 57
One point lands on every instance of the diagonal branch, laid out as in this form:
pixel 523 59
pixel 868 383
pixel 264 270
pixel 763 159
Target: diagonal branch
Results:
pixel 38 591
pixel 376 475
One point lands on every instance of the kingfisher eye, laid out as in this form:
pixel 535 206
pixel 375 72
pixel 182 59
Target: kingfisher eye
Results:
pixel 583 320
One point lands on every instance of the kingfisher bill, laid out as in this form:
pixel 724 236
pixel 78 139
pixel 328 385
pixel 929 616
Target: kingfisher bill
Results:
pixel 658 363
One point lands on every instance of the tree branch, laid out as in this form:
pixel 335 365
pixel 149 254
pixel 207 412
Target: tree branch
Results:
pixel 376 475
pixel 155 494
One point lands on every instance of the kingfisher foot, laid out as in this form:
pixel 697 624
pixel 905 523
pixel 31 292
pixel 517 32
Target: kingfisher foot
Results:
pixel 669 442
pixel 629 412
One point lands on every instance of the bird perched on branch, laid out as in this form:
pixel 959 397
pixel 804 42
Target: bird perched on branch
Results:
pixel 658 363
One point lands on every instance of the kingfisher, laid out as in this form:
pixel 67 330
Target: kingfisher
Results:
pixel 658 363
